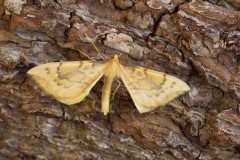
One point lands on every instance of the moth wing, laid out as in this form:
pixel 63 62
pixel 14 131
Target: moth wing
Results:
pixel 150 89
pixel 68 82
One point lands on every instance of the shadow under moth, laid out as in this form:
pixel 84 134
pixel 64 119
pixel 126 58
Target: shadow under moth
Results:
pixel 70 82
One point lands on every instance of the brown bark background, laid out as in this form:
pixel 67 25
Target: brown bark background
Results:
pixel 197 41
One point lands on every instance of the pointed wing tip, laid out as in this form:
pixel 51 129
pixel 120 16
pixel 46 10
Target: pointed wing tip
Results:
pixel 143 110
pixel 30 74
pixel 185 87
pixel 31 71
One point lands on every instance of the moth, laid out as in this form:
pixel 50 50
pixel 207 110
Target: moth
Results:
pixel 70 82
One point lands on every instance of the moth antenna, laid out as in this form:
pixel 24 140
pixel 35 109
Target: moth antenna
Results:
pixel 90 40
pixel 119 54
pixel 85 54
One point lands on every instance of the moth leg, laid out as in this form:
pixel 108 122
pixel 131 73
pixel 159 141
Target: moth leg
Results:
pixel 90 40
pixel 119 84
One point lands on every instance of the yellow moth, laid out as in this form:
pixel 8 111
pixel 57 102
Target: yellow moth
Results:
pixel 71 82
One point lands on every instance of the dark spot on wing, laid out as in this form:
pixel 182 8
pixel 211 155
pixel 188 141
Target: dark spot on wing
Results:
pixel 58 84
pixel 59 68
pixel 172 84
pixel 47 70
pixel 130 69
pixel 55 80
pixel 164 78
pixel 145 71
pixel 138 73
pixel 157 94
pixel 86 67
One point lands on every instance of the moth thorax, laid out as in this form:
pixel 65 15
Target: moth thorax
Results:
pixel 115 57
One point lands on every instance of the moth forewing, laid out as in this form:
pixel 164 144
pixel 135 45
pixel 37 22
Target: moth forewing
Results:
pixel 68 82
pixel 150 89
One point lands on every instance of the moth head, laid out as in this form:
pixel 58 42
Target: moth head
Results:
pixel 115 58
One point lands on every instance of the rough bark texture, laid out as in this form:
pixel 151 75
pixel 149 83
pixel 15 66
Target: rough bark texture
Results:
pixel 197 41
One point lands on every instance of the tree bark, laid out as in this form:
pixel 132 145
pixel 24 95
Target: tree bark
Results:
pixel 196 41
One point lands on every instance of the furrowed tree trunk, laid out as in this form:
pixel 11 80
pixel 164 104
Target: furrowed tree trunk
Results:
pixel 196 41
